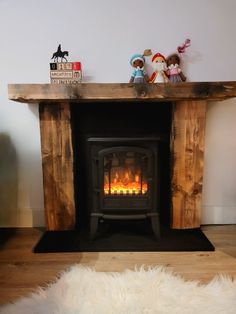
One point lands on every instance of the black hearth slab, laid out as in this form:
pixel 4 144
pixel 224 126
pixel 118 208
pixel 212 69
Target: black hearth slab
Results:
pixel 124 241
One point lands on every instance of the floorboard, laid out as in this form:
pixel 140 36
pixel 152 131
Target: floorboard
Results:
pixel 22 271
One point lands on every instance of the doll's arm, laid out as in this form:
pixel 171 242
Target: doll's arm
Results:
pixel 146 78
pixel 152 78
pixel 131 79
pixel 182 76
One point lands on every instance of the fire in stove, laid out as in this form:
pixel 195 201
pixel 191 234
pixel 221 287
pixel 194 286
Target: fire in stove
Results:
pixel 125 175
pixel 124 183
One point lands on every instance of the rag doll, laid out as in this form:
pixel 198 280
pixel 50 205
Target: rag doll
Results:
pixel 139 75
pixel 174 72
pixel 160 67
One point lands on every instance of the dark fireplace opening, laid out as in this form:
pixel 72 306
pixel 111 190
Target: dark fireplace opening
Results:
pixel 122 163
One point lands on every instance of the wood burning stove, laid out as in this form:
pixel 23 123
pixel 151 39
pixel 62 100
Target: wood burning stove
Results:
pixel 123 180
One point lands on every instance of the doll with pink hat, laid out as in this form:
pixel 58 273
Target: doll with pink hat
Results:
pixel 174 71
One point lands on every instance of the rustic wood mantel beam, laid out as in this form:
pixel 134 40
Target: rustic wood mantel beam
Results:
pixel 35 93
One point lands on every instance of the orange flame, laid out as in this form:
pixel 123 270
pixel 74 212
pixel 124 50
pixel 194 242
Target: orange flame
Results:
pixel 125 184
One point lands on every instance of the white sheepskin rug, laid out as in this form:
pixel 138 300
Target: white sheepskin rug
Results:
pixel 85 291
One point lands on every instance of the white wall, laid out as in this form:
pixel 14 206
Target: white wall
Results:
pixel 219 194
pixel 103 35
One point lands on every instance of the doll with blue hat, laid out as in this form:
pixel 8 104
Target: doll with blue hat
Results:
pixel 139 75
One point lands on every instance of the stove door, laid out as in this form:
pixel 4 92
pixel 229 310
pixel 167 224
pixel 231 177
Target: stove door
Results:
pixel 125 178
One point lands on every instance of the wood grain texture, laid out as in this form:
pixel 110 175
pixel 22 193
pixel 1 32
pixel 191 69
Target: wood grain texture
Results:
pixel 187 163
pixel 57 160
pixel 22 271
pixel 35 93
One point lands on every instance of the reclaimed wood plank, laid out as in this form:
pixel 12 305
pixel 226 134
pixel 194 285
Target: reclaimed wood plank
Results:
pixel 35 93
pixel 187 163
pixel 57 161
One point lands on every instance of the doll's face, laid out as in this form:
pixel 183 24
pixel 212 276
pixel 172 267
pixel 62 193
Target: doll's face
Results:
pixel 159 64
pixel 138 63
pixel 173 59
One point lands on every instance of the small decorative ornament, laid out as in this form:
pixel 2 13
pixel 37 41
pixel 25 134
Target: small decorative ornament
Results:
pixel 139 75
pixel 160 67
pixel 174 72
pixel 186 44
pixel 64 72
pixel 60 54
pixel 147 52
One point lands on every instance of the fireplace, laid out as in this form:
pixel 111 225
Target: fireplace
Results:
pixel 123 180
pixel 56 103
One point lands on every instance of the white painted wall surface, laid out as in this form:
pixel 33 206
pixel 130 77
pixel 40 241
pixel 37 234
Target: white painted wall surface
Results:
pixel 103 35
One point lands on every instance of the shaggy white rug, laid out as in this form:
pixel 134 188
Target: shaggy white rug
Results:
pixel 82 290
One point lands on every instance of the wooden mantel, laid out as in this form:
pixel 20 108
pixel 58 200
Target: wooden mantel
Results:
pixel 187 142
pixel 35 93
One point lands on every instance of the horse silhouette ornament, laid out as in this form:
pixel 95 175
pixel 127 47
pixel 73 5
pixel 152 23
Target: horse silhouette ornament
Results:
pixel 60 54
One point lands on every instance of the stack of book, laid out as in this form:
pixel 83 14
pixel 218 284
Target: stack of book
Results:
pixel 65 73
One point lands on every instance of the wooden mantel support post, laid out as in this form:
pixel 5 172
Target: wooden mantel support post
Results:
pixel 57 161
pixel 188 133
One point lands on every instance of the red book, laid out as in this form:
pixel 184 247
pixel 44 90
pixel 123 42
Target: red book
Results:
pixel 76 66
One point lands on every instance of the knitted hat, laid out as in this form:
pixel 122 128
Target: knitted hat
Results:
pixel 135 57
pixel 158 55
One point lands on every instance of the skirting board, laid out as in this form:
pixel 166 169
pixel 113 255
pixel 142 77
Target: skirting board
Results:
pixel 218 215
pixel 22 217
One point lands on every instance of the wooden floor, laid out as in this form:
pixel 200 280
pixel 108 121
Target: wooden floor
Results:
pixel 21 271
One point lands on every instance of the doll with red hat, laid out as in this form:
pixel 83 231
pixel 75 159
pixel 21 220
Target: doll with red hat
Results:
pixel 139 75
pixel 160 67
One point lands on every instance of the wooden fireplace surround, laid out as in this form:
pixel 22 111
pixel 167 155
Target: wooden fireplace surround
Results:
pixel 187 139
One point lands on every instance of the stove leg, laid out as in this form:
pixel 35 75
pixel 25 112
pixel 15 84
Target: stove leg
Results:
pixel 93 226
pixel 156 225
